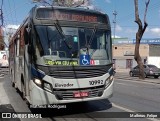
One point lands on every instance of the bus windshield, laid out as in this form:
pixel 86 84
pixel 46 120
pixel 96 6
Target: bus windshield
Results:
pixel 81 41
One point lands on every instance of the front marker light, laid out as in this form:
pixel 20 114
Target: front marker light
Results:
pixel 109 81
pixel 111 78
pixel 47 87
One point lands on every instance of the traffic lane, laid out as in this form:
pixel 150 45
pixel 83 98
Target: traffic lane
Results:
pixel 92 113
pixel 112 114
pixel 92 117
pixel 146 90
pixel 136 95
pixel 74 109
pixel 116 113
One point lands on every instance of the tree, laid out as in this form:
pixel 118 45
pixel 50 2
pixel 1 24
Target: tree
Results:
pixel 72 3
pixel 66 3
pixel 139 34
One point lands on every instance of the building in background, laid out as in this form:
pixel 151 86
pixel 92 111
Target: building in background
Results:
pixel 123 52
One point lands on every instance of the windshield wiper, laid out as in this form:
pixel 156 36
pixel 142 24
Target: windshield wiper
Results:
pixel 92 37
pixel 59 29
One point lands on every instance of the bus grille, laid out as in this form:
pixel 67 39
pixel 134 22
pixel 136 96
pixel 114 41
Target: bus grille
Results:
pixel 75 72
pixel 68 94
pixel 78 74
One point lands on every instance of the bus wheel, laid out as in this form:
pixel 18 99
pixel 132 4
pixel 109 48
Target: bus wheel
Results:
pixel 13 84
pixel 23 91
pixel 22 88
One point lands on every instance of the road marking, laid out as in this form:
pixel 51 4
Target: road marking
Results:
pixel 129 110
pixel 122 108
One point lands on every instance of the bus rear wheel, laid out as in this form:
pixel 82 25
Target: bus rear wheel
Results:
pixel 22 89
pixel 13 84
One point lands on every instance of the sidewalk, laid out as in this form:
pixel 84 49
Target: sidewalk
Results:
pixel 122 70
pixel 125 76
pixel 3 95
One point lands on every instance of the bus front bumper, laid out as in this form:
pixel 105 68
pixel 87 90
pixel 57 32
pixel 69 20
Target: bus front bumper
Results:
pixel 38 96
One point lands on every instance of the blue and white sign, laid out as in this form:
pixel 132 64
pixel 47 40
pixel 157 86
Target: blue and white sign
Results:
pixel 143 41
pixel 148 41
pixel 85 59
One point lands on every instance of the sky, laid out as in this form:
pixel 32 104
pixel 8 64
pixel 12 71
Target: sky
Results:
pixel 15 11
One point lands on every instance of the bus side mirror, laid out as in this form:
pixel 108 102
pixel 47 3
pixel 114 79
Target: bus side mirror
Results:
pixel 27 35
pixel 26 38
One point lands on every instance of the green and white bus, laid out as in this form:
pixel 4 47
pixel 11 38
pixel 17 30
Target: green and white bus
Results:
pixel 62 55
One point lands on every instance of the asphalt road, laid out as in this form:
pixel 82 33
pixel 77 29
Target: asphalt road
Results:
pixel 131 97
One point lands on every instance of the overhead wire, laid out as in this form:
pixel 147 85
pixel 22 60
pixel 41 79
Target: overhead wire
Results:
pixel 7 20
pixel 15 11
pixel 124 18
pixel 10 11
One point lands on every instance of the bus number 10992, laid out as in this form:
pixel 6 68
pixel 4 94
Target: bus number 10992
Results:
pixel 96 82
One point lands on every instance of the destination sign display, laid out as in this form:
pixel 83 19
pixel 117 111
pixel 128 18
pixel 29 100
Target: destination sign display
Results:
pixel 62 62
pixel 68 15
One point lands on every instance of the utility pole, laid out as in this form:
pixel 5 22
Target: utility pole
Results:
pixel 114 21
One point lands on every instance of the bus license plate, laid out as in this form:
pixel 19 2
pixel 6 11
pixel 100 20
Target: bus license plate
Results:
pixel 80 94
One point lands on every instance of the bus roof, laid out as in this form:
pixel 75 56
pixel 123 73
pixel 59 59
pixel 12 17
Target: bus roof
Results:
pixel 71 8
pixel 70 14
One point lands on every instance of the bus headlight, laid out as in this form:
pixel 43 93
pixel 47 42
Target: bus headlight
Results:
pixel 38 82
pixel 43 84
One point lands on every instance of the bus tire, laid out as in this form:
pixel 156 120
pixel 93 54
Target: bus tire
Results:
pixel 22 88
pixel 12 79
pixel 13 84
